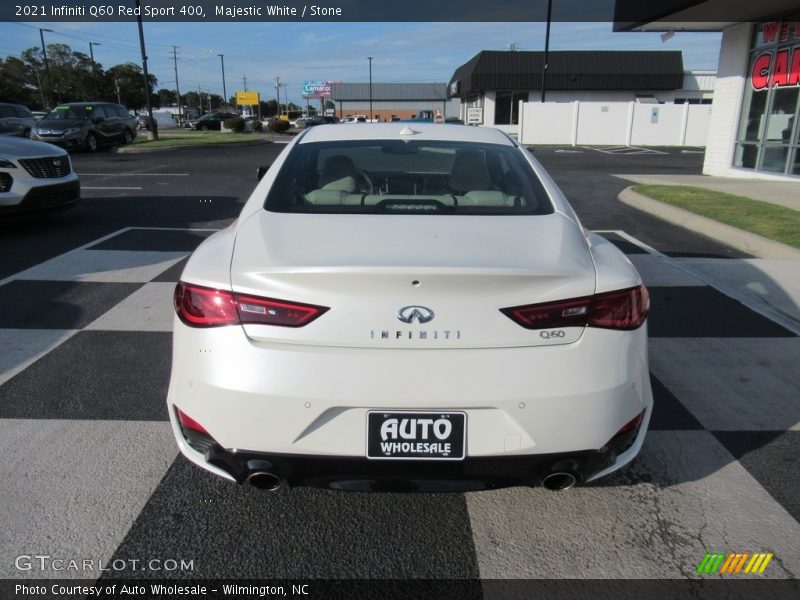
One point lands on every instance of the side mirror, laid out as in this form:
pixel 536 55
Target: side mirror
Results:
pixel 262 170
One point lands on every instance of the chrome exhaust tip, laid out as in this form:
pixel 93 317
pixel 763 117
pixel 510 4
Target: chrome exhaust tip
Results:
pixel 263 480
pixel 559 481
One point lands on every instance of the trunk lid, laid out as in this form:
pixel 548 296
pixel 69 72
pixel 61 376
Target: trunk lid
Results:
pixel 367 268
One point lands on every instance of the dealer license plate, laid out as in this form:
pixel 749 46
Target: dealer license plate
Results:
pixel 403 435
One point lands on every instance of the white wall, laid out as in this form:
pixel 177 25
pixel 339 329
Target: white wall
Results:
pixel 614 123
pixel 549 123
pixel 602 123
pixel 658 124
pixel 728 94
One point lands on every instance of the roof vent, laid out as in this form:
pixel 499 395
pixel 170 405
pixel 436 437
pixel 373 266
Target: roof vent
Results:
pixel 408 131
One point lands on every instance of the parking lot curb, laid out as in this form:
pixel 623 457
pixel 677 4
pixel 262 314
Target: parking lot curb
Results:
pixel 134 150
pixel 737 238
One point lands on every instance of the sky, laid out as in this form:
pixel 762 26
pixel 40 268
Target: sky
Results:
pixel 297 52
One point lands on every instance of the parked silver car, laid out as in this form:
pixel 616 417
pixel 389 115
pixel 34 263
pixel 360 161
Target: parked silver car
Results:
pixel 34 177
pixel 15 119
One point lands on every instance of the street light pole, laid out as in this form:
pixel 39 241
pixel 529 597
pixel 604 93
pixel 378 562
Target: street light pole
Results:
pixel 91 53
pixel 224 89
pixel 370 88
pixel 147 103
pixel 546 48
pixel 47 67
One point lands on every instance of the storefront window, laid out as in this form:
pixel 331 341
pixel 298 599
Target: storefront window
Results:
pixel 506 107
pixel 768 131
pixel 781 117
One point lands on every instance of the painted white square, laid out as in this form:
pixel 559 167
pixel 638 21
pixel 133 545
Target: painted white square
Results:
pixel 683 496
pixel 23 347
pixel 658 271
pixel 77 487
pixel 733 384
pixel 773 282
pixel 148 309
pixel 122 266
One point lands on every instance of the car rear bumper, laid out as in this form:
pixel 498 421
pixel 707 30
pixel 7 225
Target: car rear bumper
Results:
pixel 360 474
pixel 304 409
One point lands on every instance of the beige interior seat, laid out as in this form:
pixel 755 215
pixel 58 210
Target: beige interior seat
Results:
pixel 470 172
pixel 338 173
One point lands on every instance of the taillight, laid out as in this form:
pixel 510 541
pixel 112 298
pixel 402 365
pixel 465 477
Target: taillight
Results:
pixel 207 307
pixel 189 423
pixel 253 309
pixel 622 309
pixel 631 425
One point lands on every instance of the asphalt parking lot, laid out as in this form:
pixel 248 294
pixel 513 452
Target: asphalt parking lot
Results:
pixel 92 470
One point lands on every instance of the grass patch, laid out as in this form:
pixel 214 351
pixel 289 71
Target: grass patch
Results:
pixel 771 221
pixel 173 138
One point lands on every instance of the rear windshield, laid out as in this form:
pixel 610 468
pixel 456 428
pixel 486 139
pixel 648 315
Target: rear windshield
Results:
pixel 407 177
pixel 70 113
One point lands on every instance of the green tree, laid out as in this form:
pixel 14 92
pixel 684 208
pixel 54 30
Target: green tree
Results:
pixel 130 81
pixel 269 108
pixel 18 83
pixel 167 97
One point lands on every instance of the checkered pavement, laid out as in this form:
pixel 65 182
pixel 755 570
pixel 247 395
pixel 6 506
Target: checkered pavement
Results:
pixel 91 469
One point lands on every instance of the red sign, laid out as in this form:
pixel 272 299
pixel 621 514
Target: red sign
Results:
pixel 776 69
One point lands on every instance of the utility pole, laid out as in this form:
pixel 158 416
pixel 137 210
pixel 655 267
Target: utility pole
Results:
pixel 47 68
pixel 370 88
pixel 278 91
pixel 177 88
pixel 286 96
pixel 546 52
pixel 148 104
pixel 244 79
pixel 224 90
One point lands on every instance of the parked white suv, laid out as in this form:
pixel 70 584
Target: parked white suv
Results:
pixel 35 176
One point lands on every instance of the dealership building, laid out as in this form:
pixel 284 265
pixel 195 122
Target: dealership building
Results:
pixel 390 101
pixel 496 81
pixel 754 129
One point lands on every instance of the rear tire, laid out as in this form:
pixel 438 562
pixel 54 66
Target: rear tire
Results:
pixel 91 142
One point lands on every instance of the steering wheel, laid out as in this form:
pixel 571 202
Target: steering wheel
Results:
pixel 365 183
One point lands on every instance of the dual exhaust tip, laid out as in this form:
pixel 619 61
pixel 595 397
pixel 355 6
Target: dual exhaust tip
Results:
pixel 559 481
pixel 264 480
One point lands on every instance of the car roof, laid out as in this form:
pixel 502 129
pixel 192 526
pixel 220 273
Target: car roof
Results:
pixel 415 131
pixel 98 103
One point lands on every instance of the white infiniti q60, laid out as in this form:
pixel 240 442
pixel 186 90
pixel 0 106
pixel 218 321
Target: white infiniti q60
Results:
pixel 414 307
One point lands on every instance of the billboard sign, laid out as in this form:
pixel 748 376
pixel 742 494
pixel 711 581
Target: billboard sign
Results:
pixel 247 98
pixel 316 89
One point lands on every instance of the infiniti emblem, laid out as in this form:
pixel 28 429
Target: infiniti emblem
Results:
pixel 422 314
